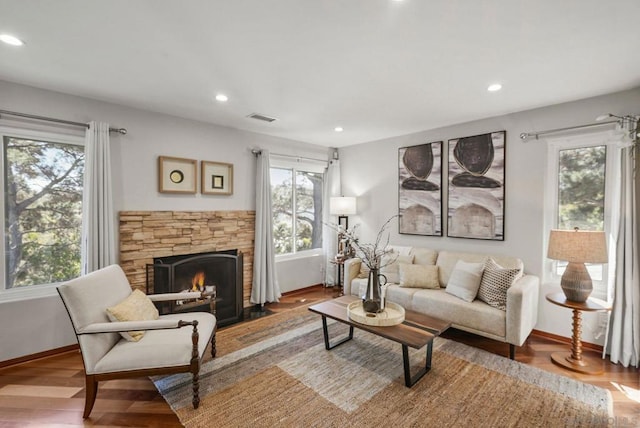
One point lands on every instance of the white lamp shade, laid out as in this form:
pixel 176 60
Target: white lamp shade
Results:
pixel 342 205
pixel 581 246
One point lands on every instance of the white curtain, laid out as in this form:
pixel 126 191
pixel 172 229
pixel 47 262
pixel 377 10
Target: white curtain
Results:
pixel 623 335
pixel 265 285
pixel 98 226
pixel 329 235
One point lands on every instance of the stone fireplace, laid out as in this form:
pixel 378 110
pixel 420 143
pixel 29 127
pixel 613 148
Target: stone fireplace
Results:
pixel 149 235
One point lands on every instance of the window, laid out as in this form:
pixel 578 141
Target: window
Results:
pixel 580 192
pixel 42 181
pixel 296 195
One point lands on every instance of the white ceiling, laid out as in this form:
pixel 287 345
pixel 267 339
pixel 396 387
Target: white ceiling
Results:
pixel 378 68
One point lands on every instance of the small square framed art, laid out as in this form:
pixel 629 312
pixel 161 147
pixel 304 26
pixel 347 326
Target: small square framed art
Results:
pixel 217 178
pixel 177 175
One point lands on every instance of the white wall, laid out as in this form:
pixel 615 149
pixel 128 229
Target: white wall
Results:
pixel 370 172
pixel 41 324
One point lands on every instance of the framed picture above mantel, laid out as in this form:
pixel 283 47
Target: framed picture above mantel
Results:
pixel 476 187
pixel 177 175
pixel 217 178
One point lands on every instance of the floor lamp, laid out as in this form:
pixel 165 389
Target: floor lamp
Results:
pixel 343 207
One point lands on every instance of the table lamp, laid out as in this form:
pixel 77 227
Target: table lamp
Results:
pixel 577 247
pixel 342 206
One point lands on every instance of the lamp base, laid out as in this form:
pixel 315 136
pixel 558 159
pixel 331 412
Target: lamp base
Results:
pixel 576 282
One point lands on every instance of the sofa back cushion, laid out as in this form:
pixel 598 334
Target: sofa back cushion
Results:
pixel 448 259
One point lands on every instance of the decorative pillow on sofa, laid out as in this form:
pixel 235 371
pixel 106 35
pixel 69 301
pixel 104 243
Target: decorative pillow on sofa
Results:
pixel 418 276
pixel 495 282
pixel 136 307
pixel 465 280
pixel 391 270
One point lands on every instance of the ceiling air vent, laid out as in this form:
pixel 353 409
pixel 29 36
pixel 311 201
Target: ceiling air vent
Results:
pixel 262 117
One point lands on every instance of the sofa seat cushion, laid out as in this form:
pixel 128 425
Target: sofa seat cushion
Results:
pixel 401 295
pixel 475 315
pixel 159 348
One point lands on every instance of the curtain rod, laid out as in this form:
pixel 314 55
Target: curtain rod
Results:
pixel 525 135
pixel 258 152
pixel 122 131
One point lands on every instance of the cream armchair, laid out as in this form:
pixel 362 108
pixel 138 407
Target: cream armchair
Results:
pixel 165 348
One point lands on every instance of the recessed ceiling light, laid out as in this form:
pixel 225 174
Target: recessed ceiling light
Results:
pixel 338 129
pixel 495 87
pixel 11 40
pixel 222 98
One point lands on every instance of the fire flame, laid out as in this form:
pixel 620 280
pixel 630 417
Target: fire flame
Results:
pixel 198 282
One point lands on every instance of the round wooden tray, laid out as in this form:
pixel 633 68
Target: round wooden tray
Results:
pixel 393 314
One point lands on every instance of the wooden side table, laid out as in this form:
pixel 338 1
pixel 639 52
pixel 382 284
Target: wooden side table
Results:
pixel 340 271
pixel 574 360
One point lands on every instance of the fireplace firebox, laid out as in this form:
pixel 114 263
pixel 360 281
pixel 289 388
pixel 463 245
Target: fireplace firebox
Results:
pixel 218 274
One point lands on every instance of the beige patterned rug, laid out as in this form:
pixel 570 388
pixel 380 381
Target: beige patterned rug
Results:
pixel 276 372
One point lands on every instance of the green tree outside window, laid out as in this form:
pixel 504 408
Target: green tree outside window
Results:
pixel 43 211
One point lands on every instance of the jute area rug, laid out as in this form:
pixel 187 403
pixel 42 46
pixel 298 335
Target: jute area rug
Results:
pixel 276 372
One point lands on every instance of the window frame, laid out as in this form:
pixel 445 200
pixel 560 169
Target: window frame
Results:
pixel 39 290
pixel 612 153
pixel 318 167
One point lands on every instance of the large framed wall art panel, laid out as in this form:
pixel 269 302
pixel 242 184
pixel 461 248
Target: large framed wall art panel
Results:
pixel 420 189
pixel 476 187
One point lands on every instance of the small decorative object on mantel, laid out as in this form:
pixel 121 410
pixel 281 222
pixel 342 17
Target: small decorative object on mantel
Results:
pixel 372 255
pixel 177 175
pixel 577 247
pixel 217 178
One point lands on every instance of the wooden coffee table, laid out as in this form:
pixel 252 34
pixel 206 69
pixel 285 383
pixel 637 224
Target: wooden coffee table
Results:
pixel 416 331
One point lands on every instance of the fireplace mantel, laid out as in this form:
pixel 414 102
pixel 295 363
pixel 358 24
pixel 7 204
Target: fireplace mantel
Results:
pixel 148 234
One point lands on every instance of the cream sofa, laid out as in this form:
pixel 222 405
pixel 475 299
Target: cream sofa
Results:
pixel 512 326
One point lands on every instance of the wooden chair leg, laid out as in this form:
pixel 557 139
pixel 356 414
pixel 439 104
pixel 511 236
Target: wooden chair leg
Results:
pixel 91 390
pixel 196 391
pixel 195 364
pixel 213 345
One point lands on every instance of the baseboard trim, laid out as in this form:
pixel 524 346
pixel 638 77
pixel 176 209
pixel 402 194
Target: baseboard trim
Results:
pixel 36 356
pixel 567 340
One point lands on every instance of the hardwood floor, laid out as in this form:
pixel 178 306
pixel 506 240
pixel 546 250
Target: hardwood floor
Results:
pixel 50 391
